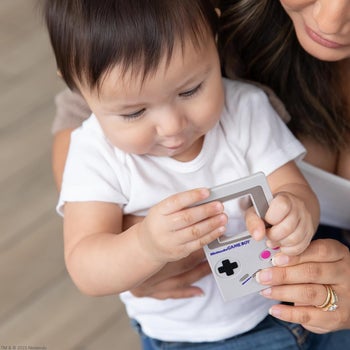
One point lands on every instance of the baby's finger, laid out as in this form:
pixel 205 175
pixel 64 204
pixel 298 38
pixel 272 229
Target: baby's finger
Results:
pixel 204 240
pixel 288 229
pixel 182 200
pixel 202 232
pixel 295 249
pixel 190 216
pixel 279 208
pixel 294 244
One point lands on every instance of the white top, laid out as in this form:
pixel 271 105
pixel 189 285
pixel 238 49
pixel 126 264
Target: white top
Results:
pixel 250 137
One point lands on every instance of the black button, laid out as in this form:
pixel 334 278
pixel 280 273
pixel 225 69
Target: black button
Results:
pixel 228 267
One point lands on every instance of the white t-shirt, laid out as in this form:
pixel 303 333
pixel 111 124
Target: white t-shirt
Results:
pixel 250 137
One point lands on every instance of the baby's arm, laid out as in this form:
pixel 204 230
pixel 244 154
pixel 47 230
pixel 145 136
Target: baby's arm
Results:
pixel 293 213
pixel 102 259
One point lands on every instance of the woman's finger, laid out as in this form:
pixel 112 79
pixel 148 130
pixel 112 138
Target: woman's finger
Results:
pixel 300 280
pixel 321 250
pixel 320 273
pixel 179 286
pixel 311 318
pixel 176 268
pixel 185 292
pixel 302 294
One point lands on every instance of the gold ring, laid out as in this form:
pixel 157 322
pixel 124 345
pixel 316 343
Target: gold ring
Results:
pixel 328 298
pixel 331 302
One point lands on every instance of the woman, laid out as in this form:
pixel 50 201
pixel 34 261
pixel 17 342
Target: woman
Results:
pixel 303 54
pixel 324 131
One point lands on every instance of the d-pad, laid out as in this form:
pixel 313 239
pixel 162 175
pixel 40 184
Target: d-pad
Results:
pixel 228 267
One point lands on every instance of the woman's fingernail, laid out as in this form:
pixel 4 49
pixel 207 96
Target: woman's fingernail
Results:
pixel 266 292
pixel 280 260
pixel 275 312
pixel 264 276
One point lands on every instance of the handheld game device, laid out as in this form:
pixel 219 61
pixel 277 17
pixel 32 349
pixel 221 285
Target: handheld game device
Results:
pixel 236 258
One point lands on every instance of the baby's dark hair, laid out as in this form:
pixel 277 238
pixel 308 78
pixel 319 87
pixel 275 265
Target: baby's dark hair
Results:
pixel 89 37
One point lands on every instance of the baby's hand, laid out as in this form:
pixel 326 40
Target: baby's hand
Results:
pixel 291 224
pixel 173 229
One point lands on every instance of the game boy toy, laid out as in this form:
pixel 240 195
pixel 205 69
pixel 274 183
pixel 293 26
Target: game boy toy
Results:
pixel 236 257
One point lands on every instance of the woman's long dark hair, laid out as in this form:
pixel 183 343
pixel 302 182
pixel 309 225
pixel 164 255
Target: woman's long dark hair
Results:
pixel 258 42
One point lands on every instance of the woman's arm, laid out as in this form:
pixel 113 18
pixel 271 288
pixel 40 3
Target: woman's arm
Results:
pixel 71 111
pixel 175 279
pixel 301 279
pixel 60 148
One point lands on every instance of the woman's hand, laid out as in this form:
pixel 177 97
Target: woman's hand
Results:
pixel 175 279
pixel 301 279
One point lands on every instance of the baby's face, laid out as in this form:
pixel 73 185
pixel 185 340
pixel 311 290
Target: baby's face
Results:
pixel 322 27
pixel 169 112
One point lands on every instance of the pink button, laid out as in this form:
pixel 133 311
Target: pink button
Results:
pixel 265 254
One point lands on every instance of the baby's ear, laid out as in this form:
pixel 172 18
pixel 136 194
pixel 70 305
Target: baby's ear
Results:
pixel 59 74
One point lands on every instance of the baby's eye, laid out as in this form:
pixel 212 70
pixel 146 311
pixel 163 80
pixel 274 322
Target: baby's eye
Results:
pixel 191 92
pixel 134 115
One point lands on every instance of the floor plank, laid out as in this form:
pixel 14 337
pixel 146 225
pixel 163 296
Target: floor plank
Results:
pixel 39 305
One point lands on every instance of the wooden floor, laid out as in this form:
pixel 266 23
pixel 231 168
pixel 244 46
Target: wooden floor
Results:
pixel 39 306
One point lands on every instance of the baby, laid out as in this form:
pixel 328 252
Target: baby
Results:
pixel 166 127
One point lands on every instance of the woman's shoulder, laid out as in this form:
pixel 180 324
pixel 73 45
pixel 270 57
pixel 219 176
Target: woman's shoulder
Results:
pixel 71 111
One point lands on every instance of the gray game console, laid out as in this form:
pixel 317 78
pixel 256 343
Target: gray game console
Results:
pixel 235 259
